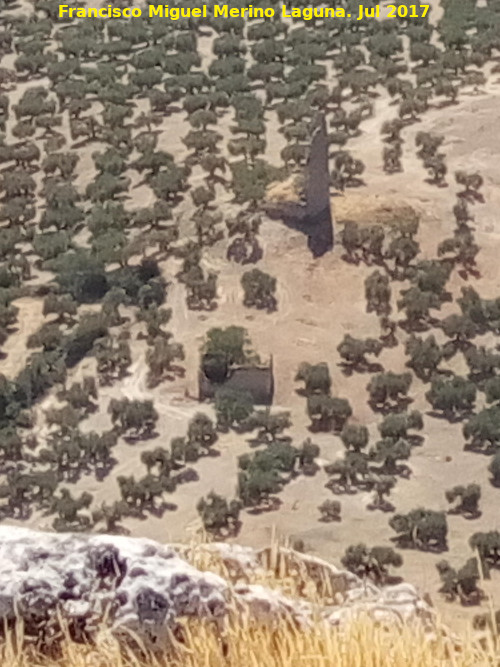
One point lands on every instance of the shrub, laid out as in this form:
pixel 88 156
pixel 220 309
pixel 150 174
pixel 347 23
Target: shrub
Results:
pixel 373 562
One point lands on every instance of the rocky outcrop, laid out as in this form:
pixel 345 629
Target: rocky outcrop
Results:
pixel 138 587
pixel 345 595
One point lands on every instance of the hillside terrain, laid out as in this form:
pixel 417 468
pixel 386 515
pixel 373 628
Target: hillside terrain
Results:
pixel 135 158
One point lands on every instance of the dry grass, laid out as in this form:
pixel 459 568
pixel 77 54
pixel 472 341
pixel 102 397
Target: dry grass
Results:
pixel 283 191
pixel 363 644
pixel 381 209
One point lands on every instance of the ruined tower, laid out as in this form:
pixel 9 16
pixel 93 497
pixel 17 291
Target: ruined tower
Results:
pixel 312 215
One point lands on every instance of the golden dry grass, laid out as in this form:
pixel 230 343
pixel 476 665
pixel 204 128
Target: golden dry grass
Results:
pixel 363 644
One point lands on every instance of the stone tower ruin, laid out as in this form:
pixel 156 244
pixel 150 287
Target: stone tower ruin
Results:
pixel 312 215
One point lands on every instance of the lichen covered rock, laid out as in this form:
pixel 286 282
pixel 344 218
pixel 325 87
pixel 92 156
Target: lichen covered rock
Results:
pixel 139 585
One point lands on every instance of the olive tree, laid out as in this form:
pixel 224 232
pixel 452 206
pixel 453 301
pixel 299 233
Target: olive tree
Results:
pixel 453 396
pixel 219 517
pixel 316 378
pixel 468 496
pixel 389 390
pixel 422 529
pixel 373 562
pixel 259 290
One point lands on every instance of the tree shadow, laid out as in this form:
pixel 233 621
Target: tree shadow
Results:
pixel 174 373
pixel 310 469
pixel 400 405
pixel 84 142
pixel 488 449
pixel 255 442
pixel 273 505
pixel 134 438
pixel 389 340
pixel 466 273
pixel 471 196
pixel 349 369
pixel 102 472
pixel 404 542
pixel 386 506
pixel 330 519
pixel 401 470
pixel 149 508
pixel 206 307
pixel 415 440
pixel 355 183
pixel 446 372
pixel 340 489
pixel 211 453
pixel 351 259
pixel 186 476
pixel 322 427
pixel 454 418
pixel 415 327
pixel 12 330
pixel 469 516
pixel 159 511
pixel 445 104
pixel 438 184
